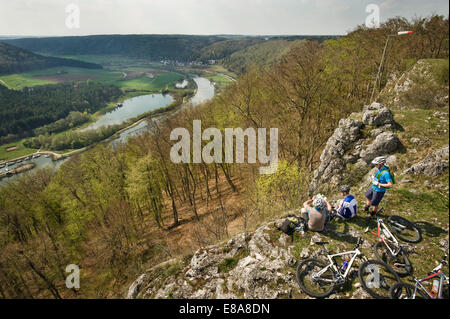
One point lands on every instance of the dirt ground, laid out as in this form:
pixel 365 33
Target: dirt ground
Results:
pixel 12 148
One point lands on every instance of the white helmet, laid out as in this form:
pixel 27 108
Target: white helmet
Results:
pixel 379 161
pixel 319 201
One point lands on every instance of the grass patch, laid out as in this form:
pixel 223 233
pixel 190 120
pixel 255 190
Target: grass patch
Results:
pixel 68 74
pixel 228 264
pixel 19 81
pixel 440 70
pixel 354 174
pixel 220 80
pixel 159 82
pixel 426 204
pixel 19 152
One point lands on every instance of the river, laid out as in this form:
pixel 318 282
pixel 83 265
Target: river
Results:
pixel 131 108
pixel 205 92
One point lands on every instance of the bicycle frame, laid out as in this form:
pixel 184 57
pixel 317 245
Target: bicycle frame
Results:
pixel 333 266
pixel 386 236
pixel 442 278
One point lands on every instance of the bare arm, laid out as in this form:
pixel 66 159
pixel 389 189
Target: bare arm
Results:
pixel 388 185
pixel 307 203
pixel 329 207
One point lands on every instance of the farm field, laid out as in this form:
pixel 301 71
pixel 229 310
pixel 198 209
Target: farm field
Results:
pixel 20 151
pixel 158 80
pixel 219 79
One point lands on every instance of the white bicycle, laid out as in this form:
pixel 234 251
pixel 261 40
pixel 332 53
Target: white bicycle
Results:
pixel 319 279
pixel 388 249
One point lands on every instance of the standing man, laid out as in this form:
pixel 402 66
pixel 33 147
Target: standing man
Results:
pixel 347 207
pixel 380 183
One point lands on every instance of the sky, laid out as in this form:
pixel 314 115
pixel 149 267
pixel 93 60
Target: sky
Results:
pixel 249 17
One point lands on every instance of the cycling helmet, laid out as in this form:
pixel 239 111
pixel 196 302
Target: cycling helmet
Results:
pixel 379 161
pixel 319 201
pixel 345 189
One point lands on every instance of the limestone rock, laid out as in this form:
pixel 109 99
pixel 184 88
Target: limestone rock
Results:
pixel 377 115
pixel 385 143
pixel 135 287
pixel 344 138
pixel 434 164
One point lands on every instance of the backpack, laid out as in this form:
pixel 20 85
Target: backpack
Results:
pixel 378 176
pixel 290 223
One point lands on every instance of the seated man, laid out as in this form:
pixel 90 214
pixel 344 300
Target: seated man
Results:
pixel 347 207
pixel 317 215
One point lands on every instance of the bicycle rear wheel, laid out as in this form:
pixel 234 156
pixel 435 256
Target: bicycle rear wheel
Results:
pixel 400 263
pixel 377 278
pixel 315 286
pixel 405 230
pixel 404 290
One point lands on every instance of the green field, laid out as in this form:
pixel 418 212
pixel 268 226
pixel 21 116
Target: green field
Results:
pixel 55 75
pixel 67 74
pixel 219 79
pixel 19 81
pixel 160 81
pixel 115 61
pixel 19 152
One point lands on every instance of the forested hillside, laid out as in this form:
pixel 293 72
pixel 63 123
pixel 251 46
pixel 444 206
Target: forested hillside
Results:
pixel 16 60
pixel 118 212
pixel 25 110
pixel 222 49
pixel 152 47
pixel 266 53
pixel 158 47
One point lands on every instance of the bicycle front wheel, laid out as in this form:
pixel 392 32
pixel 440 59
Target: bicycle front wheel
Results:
pixel 405 230
pixel 404 290
pixel 313 283
pixel 400 263
pixel 377 278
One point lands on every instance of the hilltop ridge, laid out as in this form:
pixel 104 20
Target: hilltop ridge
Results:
pixel 16 60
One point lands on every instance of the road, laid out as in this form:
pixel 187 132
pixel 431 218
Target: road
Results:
pixel 4 83
pixel 228 77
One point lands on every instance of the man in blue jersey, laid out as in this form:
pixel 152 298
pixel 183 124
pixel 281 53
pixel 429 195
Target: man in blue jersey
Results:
pixel 380 183
pixel 347 207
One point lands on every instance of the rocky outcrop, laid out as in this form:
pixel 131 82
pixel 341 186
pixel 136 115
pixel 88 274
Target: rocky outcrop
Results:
pixel 385 143
pixel 258 265
pixel 433 165
pixel 135 287
pixel 349 145
pixel 420 81
pixel 378 115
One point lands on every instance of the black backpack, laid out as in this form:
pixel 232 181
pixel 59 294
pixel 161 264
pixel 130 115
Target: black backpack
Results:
pixel 289 225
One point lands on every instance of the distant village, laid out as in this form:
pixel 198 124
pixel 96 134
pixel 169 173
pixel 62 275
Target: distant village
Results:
pixel 191 63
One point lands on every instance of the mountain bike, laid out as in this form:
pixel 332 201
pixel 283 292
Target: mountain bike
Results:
pixel 404 229
pixel 405 290
pixel 388 249
pixel 319 279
